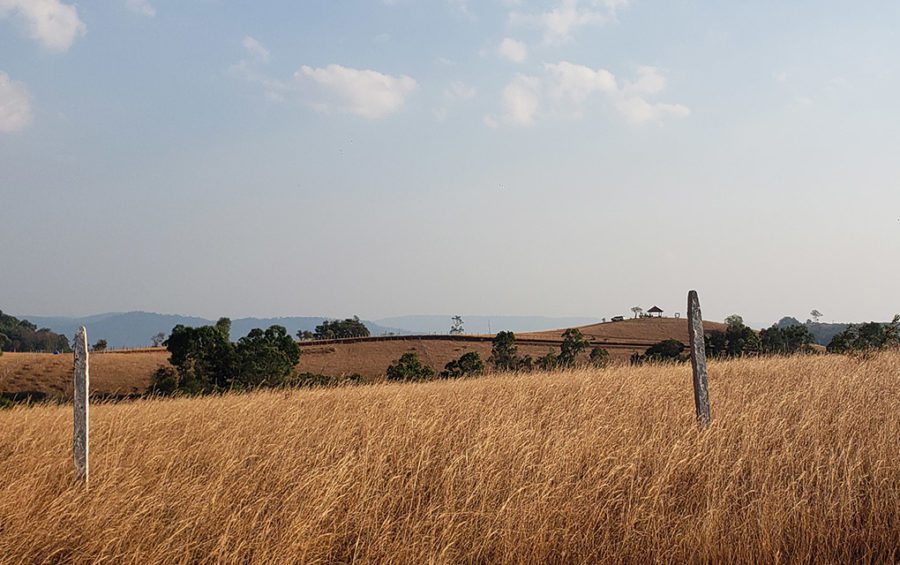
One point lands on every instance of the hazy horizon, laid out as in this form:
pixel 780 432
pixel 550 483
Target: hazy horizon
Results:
pixel 402 157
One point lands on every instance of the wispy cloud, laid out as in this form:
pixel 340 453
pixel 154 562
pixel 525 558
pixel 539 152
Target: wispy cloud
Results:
pixel 142 7
pixel 50 22
pixel 567 16
pixel 15 105
pixel 565 88
pixel 255 48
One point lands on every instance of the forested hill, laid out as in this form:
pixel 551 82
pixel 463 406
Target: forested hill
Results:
pixel 22 335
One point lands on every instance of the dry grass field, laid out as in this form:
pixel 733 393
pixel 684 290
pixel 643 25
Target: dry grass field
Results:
pixel 801 465
pixel 119 373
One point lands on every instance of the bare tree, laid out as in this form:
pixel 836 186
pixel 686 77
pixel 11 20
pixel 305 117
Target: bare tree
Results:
pixel 815 315
pixel 637 311
pixel 457 327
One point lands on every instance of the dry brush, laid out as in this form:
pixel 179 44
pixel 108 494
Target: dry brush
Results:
pixel 801 464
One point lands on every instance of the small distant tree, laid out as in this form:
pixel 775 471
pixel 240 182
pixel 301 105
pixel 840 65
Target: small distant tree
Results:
pixel 158 340
pixel 637 311
pixel 305 335
pixel 469 365
pixel 457 327
pixel 735 320
pixel 668 350
pixel 504 353
pixel 99 346
pixel 599 357
pixel 785 339
pixel 409 368
pixel 815 315
pixel 574 343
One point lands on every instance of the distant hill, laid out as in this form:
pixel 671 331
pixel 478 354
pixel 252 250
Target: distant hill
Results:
pixel 135 329
pixel 440 324
pixel 822 332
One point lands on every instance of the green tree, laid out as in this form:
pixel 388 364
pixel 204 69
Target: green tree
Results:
pixel 469 365
pixel 205 359
pixel 224 327
pixel 266 358
pixel 637 311
pixel 409 368
pixel 504 353
pixel 868 337
pixel 574 343
pixel 341 329
pixel 599 357
pixel 100 346
pixel 735 341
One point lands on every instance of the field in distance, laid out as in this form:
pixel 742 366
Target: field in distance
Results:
pixel 128 372
pixel 801 465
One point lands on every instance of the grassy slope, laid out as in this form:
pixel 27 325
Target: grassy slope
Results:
pixel 802 464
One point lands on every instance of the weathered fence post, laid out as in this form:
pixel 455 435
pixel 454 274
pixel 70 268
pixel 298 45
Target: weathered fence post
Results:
pixel 82 406
pixel 698 359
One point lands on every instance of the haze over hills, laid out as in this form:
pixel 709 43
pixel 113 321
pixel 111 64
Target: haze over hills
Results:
pixel 135 329
pixel 440 324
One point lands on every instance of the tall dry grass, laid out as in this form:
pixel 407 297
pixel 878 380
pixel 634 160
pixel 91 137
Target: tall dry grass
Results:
pixel 802 464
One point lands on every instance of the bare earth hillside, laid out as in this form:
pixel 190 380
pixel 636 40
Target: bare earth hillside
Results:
pixel 801 465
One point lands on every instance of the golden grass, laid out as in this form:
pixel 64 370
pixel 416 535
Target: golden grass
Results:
pixel 802 464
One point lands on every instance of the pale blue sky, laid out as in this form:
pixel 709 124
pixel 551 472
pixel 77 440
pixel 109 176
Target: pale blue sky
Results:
pixel 498 157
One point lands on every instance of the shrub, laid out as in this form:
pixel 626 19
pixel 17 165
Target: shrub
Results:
pixel 599 357
pixel 668 350
pixel 548 362
pixel 469 365
pixel 99 346
pixel 409 368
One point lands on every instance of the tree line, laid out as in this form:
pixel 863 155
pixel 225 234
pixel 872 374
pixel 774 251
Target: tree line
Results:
pixel 22 335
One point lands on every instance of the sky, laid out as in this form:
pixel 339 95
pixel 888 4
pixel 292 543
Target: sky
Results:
pixel 499 157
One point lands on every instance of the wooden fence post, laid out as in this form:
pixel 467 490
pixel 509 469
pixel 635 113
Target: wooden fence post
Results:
pixel 698 360
pixel 82 406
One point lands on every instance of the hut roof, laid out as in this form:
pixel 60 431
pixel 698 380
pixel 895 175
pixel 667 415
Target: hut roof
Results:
pixel 655 310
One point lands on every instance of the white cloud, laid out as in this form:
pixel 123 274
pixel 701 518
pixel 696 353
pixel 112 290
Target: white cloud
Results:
pixel 521 100
pixel 15 105
pixel 142 7
pixel 565 88
pixel 256 48
pixel 560 22
pixel 54 24
pixel 366 93
pixel 513 50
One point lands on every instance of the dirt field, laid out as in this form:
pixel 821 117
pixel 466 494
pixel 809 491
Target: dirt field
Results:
pixel 127 373
pixel 801 465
